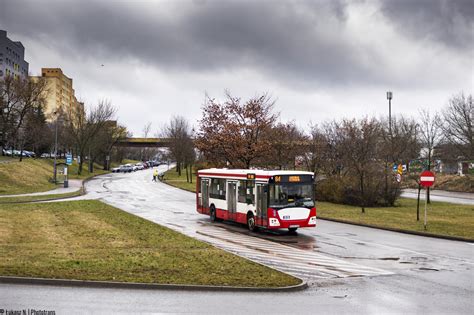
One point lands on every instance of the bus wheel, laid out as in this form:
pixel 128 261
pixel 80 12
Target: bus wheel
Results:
pixel 292 230
pixel 213 214
pixel 251 222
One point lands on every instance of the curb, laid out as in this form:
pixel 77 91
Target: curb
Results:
pixel 445 237
pixel 145 286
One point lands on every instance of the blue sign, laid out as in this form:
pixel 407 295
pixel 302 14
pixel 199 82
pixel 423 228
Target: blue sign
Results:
pixel 68 159
pixel 395 167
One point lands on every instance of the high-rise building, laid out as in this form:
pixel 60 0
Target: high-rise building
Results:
pixel 60 94
pixel 12 58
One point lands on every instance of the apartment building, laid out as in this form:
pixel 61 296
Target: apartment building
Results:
pixel 12 58
pixel 60 93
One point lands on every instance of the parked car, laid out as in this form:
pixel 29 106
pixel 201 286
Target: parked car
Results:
pixel 116 169
pixel 29 153
pixel 127 168
pixel 140 166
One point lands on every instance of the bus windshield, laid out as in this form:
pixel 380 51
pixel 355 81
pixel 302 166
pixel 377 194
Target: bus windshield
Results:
pixel 291 195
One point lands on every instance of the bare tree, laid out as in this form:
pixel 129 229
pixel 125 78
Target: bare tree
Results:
pixel 287 142
pixel 358 144
pixel 18 98
pixel 316 153
pixel 457 124
pixel 179 132
pixel 83 127
pixel 431 134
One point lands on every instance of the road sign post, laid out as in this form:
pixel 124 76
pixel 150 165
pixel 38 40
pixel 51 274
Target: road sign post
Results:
pixel 427 179
pixel 69 159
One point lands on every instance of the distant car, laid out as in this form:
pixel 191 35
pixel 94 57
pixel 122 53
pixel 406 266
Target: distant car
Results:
pixel 140 166
pixel 7 152
pixel 116 169
pixel 127 168
pixel 29 153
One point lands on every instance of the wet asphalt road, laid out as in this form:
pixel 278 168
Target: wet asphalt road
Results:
pixel 350 269
pixel 440 195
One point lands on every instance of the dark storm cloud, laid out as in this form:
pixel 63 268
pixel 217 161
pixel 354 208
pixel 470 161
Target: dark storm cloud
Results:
pixel 450 22
pixel 301 43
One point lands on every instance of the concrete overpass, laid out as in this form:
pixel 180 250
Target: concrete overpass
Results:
pixel 144 143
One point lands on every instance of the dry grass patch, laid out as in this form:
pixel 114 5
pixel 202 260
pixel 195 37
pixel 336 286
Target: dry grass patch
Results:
pixel 90 240
pixel 27 176
pixel 172 178
pixel 443 218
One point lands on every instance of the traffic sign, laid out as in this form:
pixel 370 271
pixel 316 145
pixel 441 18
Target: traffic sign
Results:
pixel 68 159
pixel 427 179
pixel 399 178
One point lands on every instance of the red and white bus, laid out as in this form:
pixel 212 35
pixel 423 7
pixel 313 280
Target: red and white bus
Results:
pixel 266 199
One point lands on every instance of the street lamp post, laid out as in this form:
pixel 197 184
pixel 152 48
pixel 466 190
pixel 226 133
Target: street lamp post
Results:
pixel 55 149
pixel 389 97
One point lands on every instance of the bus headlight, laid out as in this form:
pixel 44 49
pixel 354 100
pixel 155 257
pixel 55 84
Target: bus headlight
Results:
pixel 312 220
pixel 274 222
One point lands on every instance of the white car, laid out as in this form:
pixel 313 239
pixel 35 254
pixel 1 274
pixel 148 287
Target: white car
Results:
pixel 139 166
pixel 116 170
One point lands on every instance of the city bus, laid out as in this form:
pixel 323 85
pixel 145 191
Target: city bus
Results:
pixel 258 198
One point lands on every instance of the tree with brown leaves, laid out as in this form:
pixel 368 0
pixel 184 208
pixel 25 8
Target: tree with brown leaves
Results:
pixel 235 133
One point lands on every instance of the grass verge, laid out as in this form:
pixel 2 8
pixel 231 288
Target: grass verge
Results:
pixel 35 175
pixel 172 177
pixel 443 218
pixel 40 197
pixel 89 240
pixel 30 175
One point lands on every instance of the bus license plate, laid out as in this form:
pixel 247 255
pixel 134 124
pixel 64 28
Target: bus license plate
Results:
pixel 286 217
pixel 294 226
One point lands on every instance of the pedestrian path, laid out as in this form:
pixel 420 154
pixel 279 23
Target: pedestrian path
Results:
pixel 298 262
pixel 441 195
pixel 74 185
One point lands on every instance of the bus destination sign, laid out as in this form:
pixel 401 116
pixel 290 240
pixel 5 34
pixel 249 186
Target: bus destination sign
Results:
pixel 292 179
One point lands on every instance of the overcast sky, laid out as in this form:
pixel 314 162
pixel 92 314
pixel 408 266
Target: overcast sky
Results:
pixel 319 60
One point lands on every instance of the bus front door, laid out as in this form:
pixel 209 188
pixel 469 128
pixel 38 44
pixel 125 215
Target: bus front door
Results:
pixel 262 204
pixel 231 199
pixel 205 194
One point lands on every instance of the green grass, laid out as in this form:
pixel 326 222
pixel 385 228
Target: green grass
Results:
pixel 39 198
pixel 443 218
pixel 172 178
pixel 30 175
pixel 89 240
pixel 35 175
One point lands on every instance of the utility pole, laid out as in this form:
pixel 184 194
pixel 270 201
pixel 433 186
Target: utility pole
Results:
pixel 55 148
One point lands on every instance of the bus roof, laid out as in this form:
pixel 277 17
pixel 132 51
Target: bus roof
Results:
pixel 242 173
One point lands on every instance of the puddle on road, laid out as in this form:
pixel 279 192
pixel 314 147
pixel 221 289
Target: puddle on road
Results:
pixel 427 269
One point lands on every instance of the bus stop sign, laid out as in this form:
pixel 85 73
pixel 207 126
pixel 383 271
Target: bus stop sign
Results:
pixel 427 179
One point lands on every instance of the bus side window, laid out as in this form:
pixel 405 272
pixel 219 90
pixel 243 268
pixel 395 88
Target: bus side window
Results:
pixel 217 189
pixel 246 194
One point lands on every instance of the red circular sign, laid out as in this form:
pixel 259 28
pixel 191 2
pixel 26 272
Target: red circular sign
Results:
pixel 427 178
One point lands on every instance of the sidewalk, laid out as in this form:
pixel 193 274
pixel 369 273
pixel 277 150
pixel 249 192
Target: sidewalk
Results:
pixel 74 185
